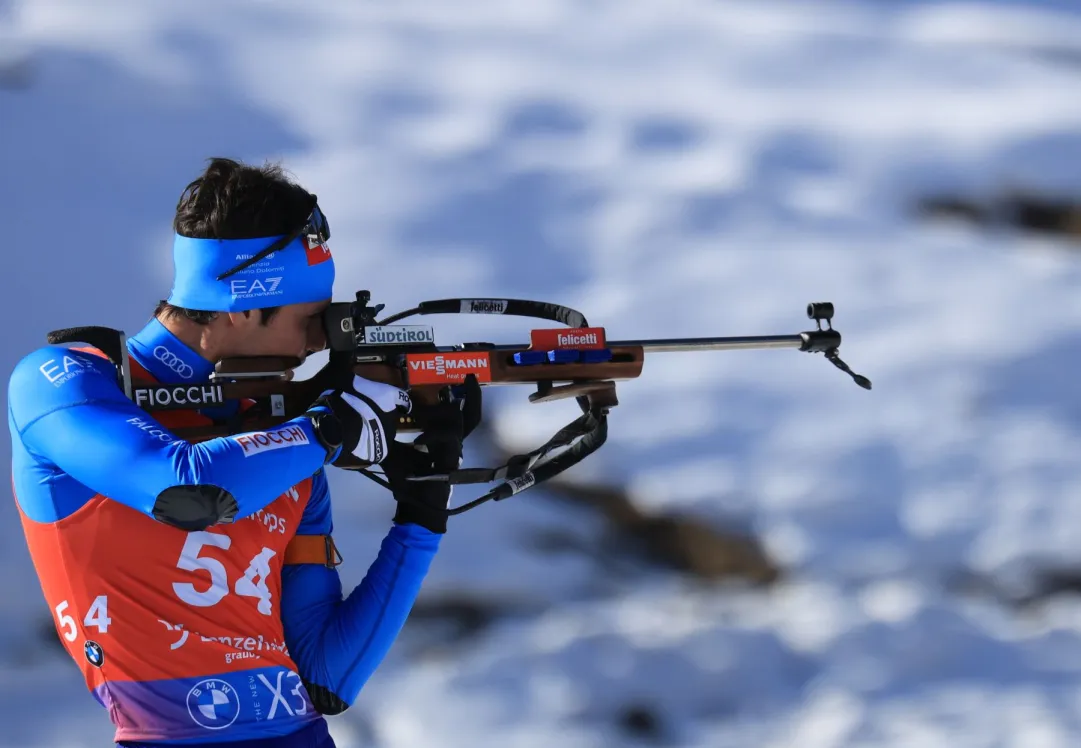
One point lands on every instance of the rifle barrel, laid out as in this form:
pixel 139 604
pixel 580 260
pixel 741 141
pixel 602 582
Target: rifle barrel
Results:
pixel 663 345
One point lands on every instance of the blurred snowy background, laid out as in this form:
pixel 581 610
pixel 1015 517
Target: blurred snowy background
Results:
pixel 763 554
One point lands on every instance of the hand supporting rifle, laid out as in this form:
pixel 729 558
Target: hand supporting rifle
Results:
pixel 435 452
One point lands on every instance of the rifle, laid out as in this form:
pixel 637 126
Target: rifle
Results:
pixel 575 361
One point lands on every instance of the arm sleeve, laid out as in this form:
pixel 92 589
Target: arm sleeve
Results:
pixel 337 644
pixel 68 410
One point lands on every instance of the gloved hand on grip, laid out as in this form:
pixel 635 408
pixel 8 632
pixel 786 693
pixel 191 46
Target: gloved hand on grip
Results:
pixel 437 450
pixel 358 423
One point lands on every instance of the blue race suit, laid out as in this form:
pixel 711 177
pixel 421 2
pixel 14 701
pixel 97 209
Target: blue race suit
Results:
pixel 206 636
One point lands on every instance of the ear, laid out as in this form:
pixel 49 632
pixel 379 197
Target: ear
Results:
pixel 241 320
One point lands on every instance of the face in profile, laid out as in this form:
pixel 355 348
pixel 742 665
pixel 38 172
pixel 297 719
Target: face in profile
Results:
pixel 294 330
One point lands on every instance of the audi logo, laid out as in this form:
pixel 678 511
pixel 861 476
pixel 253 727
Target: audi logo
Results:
pixel 167 357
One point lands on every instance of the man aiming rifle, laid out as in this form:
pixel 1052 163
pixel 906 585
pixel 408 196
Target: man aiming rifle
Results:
pixel 194 582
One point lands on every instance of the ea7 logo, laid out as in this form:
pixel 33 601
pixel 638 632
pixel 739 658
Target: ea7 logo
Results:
pixel 243 288
pixel 60 371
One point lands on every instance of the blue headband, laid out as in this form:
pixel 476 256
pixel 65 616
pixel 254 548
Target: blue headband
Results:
pixel 301 272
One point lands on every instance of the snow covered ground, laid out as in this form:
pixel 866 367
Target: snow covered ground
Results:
pixel 671 168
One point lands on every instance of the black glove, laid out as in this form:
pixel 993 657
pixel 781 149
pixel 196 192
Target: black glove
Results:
pixel 361 419
pixel 436 451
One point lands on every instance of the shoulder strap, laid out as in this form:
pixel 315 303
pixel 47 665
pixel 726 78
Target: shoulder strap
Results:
pixel 313 549
pixel 109 343
pixel 105 339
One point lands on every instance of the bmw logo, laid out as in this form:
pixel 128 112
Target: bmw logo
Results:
pixel 213 704
pixel 95 655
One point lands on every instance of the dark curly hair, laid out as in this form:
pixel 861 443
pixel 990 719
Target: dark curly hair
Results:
pixel 233 200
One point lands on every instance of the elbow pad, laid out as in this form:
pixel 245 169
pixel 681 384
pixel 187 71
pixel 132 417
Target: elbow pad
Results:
pixel 324 700
pixel 194 507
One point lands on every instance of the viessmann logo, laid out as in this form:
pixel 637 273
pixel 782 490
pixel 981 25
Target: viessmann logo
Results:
pixel 447 368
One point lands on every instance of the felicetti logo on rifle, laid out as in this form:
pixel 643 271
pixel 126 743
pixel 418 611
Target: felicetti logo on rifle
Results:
pixel 580 338
pixel 483 306
pixel 447 368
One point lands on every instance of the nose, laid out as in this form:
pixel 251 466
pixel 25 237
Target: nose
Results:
pixel 317 337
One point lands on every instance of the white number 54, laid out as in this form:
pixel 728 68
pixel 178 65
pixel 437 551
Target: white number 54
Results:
pixel 97 616
pixel 252 584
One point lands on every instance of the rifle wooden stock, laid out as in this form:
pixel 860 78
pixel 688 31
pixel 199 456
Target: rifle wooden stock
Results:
pixel 260 378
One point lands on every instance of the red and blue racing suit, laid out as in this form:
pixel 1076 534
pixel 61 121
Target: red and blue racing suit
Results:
pixel 201 637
